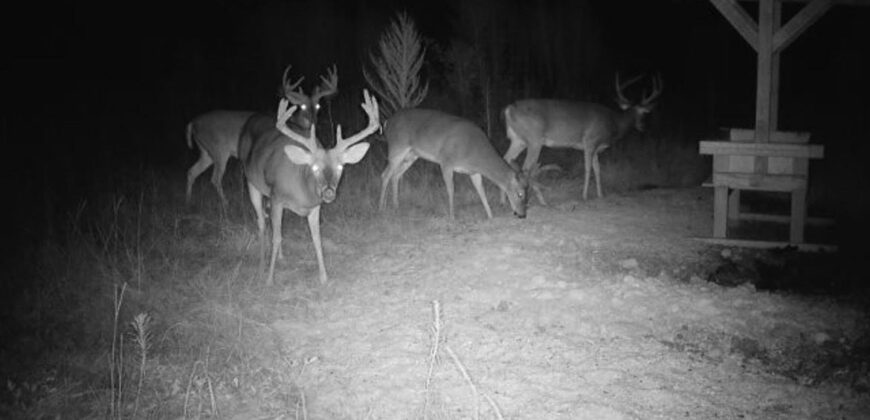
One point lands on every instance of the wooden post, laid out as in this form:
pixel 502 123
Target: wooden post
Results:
pixel 764 79
pixel 720 210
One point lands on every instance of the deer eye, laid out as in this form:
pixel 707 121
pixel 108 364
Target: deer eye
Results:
pixel 315 168
pixel 303 107
pixel 339 168
pixel 317 107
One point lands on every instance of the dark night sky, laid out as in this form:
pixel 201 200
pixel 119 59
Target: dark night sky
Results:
pixel 102 85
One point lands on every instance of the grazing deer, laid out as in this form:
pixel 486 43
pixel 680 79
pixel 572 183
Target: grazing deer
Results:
pixel 217 133
pixel 590 127
pixel 296 173
pixel 458 145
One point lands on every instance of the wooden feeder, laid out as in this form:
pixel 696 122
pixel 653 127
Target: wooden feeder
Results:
pixel 762 158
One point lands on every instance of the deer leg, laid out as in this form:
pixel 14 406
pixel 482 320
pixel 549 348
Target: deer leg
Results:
pixel 532 155
pixel 477 180
pixel 531 161
pixel 217 176
pixel 517 146
pixel 196 170
pixel 276 213
pixel 447 173
pixel 587 168
pixel 403 167
pixel 257 202
pixel 314 227
pixel 597 169
pixel 385 179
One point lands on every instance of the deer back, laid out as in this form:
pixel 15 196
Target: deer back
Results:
pixel 564 123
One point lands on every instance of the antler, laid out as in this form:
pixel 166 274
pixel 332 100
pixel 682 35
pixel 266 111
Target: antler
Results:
pixel 370 106
pixel 621 86
pixel 658 87
pixel 288 87
pixel 328 85
pixel 285 111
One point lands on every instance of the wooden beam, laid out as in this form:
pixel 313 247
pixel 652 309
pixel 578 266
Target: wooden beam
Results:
pixel 764 79
pixel 800 23
pixel 739 19
pixel 746 134
pixel 756 182
pixel 749 243
pixel 719 147
pixel 782 218
pixel 774 73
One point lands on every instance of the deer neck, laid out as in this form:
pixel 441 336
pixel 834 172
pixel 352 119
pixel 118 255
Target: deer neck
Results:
pixel 498 171
pixel 625 120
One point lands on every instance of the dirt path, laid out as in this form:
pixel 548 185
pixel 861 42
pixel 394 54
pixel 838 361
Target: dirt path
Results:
pixel 581 311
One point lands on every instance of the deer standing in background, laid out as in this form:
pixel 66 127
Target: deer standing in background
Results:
pixel 534 123
pixel 458 145
pixel 217 133
pixel 296 173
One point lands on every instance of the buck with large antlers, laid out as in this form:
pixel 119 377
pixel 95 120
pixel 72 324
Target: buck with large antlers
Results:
pixel 534 123
pixel 296 173
pixel 458 145
pixel 217 133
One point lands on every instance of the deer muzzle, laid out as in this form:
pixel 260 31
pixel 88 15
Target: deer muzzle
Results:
pixel 327 195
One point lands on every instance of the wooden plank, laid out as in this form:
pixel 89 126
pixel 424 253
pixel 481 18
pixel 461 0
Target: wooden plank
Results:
pixel 717 147
pixel 720 211
pixel 748 243
pixel 741 164
pixel 757 182
pixel 739 19
pixel 764 71
pixel 747 134
pixel 780 165
pixel 805 18
pixel 784 218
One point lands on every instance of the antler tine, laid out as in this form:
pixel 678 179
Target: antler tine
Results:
pixel 289 87
pixel 285 111
pixel 621 86
pixel 657 89
pixel 370 106
pixel 328 84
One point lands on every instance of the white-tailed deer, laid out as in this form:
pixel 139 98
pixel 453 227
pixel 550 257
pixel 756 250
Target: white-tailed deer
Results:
pixel 217 133
pixel 296 173
pixel 458 145
pixel 534 123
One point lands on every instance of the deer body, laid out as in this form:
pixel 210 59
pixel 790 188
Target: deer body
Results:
pixel 216 134
pixel 536 123
pixel 296 173
pixel 457 145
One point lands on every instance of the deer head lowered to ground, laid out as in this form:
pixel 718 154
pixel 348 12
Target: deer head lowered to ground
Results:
pixel 458 145
pixel 296 173
pixel 535 123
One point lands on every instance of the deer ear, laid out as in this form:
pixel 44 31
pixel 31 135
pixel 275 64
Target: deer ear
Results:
pixel 355 153
pixel 298 155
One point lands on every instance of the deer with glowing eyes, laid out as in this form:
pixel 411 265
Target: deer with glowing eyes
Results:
pixel 217 133
pixel 296 173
